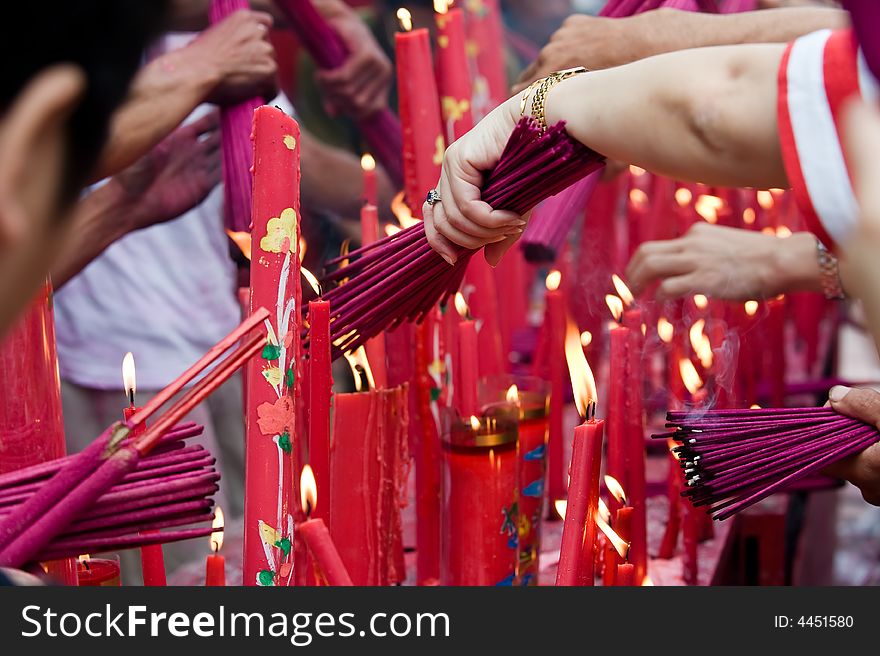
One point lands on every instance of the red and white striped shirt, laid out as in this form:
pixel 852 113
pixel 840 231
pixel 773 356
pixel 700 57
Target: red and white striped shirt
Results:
pixel 818 73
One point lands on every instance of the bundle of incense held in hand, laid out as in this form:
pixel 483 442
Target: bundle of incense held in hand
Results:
pixel 400 278
pixel 735 458
pixel 168 490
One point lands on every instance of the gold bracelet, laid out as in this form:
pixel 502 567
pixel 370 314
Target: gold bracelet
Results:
pixel 829 273
pixel 541 88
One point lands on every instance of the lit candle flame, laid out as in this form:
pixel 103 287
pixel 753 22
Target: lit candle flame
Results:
pixel 461 306
pixel 683 196
pixel 615 488
pixel 368 163
pixel 765 199
pixel 708 206
pixel 512 395
pixel 689 375
pixel 561 505
pixel 402 212
pixel 701 301
pixel 553 280
pixel 636 170
pixel 475 423
pixel 603 512
pixel 586 338
pixel 620 545
pixel 85 559
pixel 308 490
pixel 647 581
pixel 302 249
pixel 638 197
pixel 665 330
pixel 391 230
pixel 749 216
pixel 672 445
pixel 313 281
pixel 441 6
pixel 242 240
pixel 615 305
pixel 754 406
pixel 622 290
pixel 217 533
pixel 358 362
pixel 700 343
pixel 582 382
pixel 751 308
pixel 129 378
pixel 783 232
pixel 405 19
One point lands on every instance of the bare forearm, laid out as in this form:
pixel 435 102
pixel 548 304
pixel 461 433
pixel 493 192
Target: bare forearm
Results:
pixel 705 115
pixel 163 95
pixel 668 30
pixel 99 220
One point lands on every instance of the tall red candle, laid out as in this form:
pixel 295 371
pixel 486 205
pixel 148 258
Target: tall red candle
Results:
pixel 423 144
pixel 368 166
pixel 479 519
pixel 466 367
pixel 31 420
pixel 576 554
pixel 453 72
pixel 376 346
pixel 272 378
pixel 320 392
pixel 617 380
pixel 554 336
pixel 485 33
pixel 215 565
pixel 327 561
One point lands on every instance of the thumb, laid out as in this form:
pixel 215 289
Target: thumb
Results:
pixel 861 404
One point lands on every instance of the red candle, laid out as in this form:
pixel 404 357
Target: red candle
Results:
pixel 376 346
pixel 576 554
pixel 368 458
pixel 673 521
pixel 617 379
pixel 272 378
pixel 97 572
pixel 423 144
pixel 320 392
pixel 479 519
pixel 152 558
pixel 215 566
pixel 625 574
pixel 328 563
pixel 554 336
pixel 691 540
pixel 485 33
pixel 368 166
pixel 466 368
pixel 31 421
pixel 453 71
pixel 775 349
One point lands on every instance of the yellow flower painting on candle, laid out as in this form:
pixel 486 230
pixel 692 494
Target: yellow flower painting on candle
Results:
pixel 280 232
pixel 273 375
pixel 454 109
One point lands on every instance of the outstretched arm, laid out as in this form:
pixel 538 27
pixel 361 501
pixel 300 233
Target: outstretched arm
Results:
pixel 598 43
pixel 706 115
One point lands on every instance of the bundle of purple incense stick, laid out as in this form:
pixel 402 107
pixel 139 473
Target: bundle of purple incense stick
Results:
pixel 236 146
pixel 166 493
pixel 381 130
pixel 400 278
pixel 735 458
pixel 554 219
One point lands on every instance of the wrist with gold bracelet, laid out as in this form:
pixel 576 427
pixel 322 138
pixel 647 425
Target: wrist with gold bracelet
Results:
pixel 541 88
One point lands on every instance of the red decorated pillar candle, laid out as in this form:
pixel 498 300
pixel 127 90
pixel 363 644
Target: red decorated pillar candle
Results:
pixel 479 516
pixel 485 37
pixel 419 105
pixel 272 378
pixel 453 72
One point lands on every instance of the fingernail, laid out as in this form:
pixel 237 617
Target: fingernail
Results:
pixel 515 231
pixel 837 393
pixel 449 260
pixel 518 223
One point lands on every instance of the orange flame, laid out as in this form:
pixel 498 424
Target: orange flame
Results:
pixel 620 545
pixel 708 206
pixel 441 6
pixel 765 199
pixel 402 212
pixel 242 240
pixel 368 163
pixel 615 488
pixel 586 338
pixel 405 19
pixel 665 330
pixel 647 581
pixel 783 232
pixel 749 216
pixel 603 512
pixel 622 290
pixel 475 423
pixel 700 343
pixel 638 197
pixel 701 301
pixel 308 490
pixel 689 375
pixel 582 382
pixel 512 395
pixel 561 505
pixel 217 533
pixel 391 230
pixel 129 378
pixel 461 306
pixel 751 308
pixel 358 362
pixel 754 406
pixel 313 281
pixel 636 170
pixel 553 280
pixel 615 305
pixel 683 196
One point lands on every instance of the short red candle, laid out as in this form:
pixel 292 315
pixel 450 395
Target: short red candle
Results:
pixel 98 572
pixel 371 194
pixel 479 522
pixel 324 554
pixel 419 104
pixel 576 553
pixel 215 565
pixel 625 575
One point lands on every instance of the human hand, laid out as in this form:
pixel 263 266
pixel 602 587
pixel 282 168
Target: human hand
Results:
pixel 173 177
pixel 862 469
pixel 239 51
pixel 588 41
pixel 360 86
pixel 461 218
pixel 726 263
